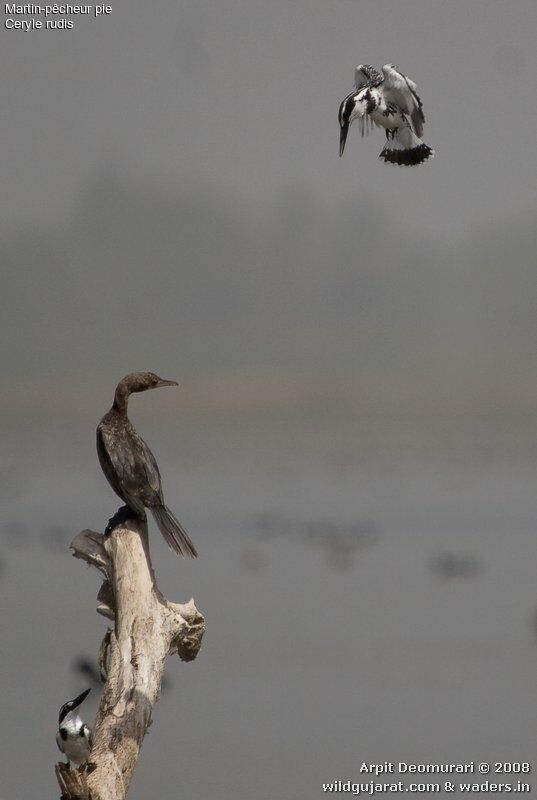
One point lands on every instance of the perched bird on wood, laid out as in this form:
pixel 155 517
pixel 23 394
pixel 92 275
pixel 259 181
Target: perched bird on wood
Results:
pixel 130 466
pixel 389 100
pixel 74 736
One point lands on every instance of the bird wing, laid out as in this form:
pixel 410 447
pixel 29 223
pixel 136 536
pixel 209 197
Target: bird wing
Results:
pixel 402 91
pixel 153 484
pixel 131 468
pixel 366 75
pixel 109 465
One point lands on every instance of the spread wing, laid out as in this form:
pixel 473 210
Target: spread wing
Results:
pixel 402 91
pixel 366 75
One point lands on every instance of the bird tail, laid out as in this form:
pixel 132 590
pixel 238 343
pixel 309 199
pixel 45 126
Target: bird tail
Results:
pixel 394 154
pixel 406 150
pixel 176 537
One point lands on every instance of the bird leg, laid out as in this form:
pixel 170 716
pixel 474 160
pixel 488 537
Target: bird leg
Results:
pixel 121 516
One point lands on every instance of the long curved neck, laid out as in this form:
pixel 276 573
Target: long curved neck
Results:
pixel 121 397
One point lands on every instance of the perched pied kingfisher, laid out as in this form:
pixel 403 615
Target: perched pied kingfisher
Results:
pixel 74 737
pixel 390 101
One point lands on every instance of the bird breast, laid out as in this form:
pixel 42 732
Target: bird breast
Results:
pixel 387 117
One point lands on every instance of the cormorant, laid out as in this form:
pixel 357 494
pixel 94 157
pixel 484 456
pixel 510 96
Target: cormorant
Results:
pixel 130 466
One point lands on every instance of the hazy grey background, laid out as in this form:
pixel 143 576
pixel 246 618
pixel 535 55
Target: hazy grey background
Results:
pixel 353 443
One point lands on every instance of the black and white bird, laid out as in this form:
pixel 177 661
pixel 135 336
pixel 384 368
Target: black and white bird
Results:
pixel 389 100
pixel 74 736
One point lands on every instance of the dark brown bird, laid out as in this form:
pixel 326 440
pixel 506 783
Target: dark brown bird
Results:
pixel 130 466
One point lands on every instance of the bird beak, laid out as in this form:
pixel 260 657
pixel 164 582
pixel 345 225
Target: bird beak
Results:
pixel 166 383
pixel 343 138
pixel 80 699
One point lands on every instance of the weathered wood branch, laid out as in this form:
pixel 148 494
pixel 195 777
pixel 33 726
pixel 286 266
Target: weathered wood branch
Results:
pixel 147 629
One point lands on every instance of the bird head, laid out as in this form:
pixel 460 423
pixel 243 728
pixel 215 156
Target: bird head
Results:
pixel 347 112
pixel 72 705
pixel 137 382
pixel 355 106
pixel 142 381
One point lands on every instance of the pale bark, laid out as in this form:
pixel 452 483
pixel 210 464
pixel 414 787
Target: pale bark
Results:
pixel 147 629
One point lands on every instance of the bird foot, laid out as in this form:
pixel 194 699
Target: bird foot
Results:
pixel 122 515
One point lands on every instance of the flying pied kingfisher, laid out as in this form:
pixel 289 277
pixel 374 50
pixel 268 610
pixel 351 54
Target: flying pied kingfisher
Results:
pixel 74 737
pixel 390 101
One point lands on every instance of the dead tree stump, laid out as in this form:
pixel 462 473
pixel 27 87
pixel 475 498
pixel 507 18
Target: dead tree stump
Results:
pixel 147 629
